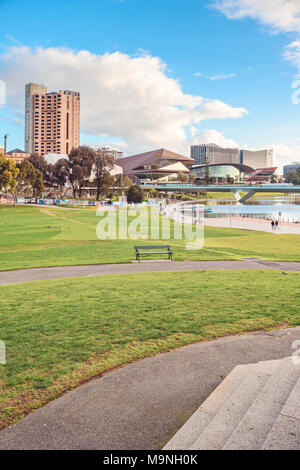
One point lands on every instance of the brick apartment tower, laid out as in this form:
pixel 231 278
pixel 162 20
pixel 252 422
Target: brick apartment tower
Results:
pixel 52 120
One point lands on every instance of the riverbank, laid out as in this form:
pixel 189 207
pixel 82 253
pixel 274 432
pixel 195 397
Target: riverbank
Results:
pixel 251 223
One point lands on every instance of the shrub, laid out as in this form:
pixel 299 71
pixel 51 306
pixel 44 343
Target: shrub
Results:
pixel 135 194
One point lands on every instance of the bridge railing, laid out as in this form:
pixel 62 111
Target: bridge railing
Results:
pixel 217 187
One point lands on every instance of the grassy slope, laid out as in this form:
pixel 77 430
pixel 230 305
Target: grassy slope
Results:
pixel 59 333
pixel 34 236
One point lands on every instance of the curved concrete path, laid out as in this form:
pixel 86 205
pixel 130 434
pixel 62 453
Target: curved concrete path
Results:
pixel 255 223
pixel 142 405
pixel 38 274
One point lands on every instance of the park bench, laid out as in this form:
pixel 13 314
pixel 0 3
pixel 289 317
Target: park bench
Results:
pixel 153 250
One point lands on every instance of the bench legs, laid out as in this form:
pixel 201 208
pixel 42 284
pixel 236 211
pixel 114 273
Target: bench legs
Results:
pixel 137 257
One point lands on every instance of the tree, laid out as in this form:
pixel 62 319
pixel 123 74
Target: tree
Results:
pixel 125 182
pixel 8 173
pixel 229 179
pixel 192 177
pixel 273 179
pixel 296 176
pixel 29 181
pixel 41 165
pixel 103 164
pixel 60 174
pixel 153 193
pixel 37 184
pixel 135 194
pixel 290 176
pixel 182 177
pixel 207 177
pixel 79 167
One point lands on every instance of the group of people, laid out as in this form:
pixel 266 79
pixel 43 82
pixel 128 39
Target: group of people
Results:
pixel 274 225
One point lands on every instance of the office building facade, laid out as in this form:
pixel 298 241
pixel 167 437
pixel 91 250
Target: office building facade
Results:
pixel 213 154
pixel 257 159
pixel 52 120
pixel 113 152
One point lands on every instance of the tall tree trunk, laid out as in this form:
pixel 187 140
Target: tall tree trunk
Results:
pixel 98 189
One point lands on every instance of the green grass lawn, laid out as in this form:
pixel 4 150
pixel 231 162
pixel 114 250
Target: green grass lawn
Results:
pixel 60 333
pixel 36 236
pixel 229 195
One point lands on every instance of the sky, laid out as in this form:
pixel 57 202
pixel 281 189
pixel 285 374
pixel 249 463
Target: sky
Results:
pixel 159 73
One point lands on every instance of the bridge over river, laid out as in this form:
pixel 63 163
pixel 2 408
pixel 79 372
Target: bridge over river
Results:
pixel 236 189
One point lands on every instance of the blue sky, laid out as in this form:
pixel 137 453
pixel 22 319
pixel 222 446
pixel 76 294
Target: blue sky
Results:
pixel 203 52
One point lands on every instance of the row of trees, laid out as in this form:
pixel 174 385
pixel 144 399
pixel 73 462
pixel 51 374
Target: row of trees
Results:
pixel 84 166
pixel 20 179
pixel 294 177
pixel 185 178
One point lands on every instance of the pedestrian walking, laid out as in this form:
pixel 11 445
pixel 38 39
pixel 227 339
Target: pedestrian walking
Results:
pixel 272 225
pixel 276 225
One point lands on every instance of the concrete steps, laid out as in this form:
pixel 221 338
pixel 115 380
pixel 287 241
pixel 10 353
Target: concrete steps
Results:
pixel 285 433
pixel 192 429
pixel 255 407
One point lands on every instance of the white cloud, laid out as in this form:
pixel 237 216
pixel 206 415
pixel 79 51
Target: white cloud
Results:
pixel 122 146
pixel 221 76
pixel 292 54
pixel 122 97
pixel 284 155
pixel 279 15
pixel 212 136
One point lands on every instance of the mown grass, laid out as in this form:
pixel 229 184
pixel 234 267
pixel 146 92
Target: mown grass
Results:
pixel 229 195
pixel 60 333
pixel 36 237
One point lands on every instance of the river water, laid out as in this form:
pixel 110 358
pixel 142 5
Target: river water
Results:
pixel 285 208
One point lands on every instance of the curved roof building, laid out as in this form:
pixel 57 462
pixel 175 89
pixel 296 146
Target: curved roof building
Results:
pixel 234 171
pixel 154 164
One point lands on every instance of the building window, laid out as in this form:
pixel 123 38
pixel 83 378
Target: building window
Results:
pixel 67 124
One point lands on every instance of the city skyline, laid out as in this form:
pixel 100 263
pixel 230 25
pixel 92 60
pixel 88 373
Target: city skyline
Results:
pixel 189 85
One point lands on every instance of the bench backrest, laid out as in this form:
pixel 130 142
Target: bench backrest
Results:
pixel 152 247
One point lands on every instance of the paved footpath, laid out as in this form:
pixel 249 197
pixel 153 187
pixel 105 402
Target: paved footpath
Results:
pixel 253 223
pixel 140 406
pixel 38 274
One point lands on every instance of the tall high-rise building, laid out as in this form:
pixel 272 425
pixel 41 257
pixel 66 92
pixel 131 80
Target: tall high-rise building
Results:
pixel 212 153
pixel 257 159
pixel 52 120
pixel 31 89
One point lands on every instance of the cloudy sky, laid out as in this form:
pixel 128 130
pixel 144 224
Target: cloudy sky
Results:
pixel 155 73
